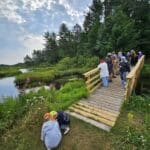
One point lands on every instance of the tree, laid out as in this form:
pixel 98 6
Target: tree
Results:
pixel 118 33
pixel 28 60
pixel 51 48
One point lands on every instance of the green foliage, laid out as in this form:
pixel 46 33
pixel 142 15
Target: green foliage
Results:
pixel 36 78
pixel 118 33
pixel 138 103
pixel 71 92
pixel 146 71
pixel 66 67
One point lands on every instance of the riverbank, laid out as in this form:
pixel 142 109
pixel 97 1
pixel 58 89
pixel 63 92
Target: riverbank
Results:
pixel 65 69
pixel 9 71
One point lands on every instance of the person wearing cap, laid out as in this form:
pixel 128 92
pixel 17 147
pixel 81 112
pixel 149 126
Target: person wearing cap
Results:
pixel 104 74
pixel 63 120
pixel 50 132
pixel 139 55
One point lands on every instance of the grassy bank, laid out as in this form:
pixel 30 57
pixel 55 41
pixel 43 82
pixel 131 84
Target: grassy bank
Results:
pixel 9 71
pixel 65 68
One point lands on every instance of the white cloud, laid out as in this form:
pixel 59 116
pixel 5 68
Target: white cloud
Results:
pixel 76 15
pixel 8 9
pixel 31 42
pixel 33 5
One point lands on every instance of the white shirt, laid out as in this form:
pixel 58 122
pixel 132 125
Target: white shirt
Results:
pixel 103 69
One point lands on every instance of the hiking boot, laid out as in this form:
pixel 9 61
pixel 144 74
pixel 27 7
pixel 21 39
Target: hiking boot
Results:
pixel 66 130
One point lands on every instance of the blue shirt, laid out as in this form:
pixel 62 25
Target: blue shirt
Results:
pixel 51 134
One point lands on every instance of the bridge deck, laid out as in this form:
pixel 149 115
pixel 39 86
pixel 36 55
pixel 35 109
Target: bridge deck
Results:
pixel 102 107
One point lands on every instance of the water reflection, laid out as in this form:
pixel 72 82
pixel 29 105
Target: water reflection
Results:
pixel 7 88
pixel 24 70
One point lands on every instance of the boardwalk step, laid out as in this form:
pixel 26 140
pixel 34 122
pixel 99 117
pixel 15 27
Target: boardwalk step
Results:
pixel 99 110
pixel 92 122
pixel 92 116
pixel 102 106
pixel 94 112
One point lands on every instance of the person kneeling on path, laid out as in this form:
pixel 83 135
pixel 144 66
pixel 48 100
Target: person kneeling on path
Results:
pixel 50 133
pixel 63 120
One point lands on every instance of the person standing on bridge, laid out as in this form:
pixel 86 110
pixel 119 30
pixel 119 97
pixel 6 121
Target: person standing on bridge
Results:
pixel 124 68
pixel 104 73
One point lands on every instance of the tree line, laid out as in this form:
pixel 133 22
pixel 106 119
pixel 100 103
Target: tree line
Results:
pixel 111 25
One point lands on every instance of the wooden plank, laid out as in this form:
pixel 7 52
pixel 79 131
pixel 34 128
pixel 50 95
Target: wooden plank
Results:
pixel 92 78
pixel 100 107
pixel 92 90
pixel 113 104
pixel 90 85
pixel 117 98
pixel 108 96
pixel 91 116
pixel 97 109
pixel 92 111
pixel 91 121
pixel 91 72
pixel 105 105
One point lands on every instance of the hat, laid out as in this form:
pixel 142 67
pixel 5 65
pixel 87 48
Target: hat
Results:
pixel 109 54
pixel 123 58
pixel 53 114
pixel 46 116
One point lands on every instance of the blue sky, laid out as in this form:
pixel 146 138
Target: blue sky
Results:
pixel 23 23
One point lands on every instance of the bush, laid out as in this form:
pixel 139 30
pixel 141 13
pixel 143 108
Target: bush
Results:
pixel 138 103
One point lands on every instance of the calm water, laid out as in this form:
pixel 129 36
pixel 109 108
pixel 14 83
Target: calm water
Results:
pixel 7 88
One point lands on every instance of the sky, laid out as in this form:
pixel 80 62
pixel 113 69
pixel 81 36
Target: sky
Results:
pixel 24 22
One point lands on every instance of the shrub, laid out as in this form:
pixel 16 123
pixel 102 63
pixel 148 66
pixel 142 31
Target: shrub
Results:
pixel 138 103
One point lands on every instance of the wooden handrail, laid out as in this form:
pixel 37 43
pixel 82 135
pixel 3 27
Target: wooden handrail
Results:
pixel 92 79
pixel 91 72
pixel 133 76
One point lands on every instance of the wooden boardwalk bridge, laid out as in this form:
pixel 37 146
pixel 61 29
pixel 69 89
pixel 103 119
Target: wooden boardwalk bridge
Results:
pixel 102 107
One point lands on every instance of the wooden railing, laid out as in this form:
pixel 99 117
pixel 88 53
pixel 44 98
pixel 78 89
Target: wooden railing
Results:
pixel 133 77
pixel 92 79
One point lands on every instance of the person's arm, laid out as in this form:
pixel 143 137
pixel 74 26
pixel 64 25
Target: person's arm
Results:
pixel 42 133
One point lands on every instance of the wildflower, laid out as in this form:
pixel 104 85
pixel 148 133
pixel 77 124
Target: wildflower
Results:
pixel 130 116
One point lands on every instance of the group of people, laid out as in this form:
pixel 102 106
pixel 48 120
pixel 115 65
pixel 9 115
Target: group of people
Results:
pixel 117 64
pixel 54 125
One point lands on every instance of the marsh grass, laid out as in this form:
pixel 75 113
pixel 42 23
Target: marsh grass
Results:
pixel 9 71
